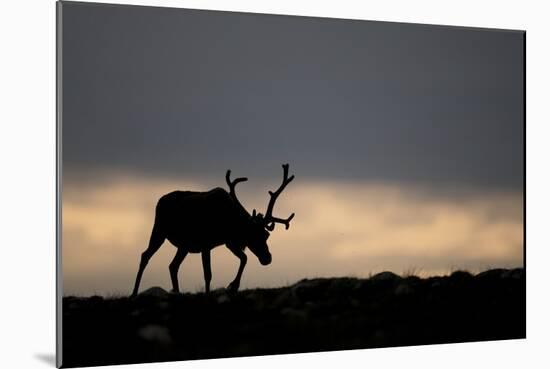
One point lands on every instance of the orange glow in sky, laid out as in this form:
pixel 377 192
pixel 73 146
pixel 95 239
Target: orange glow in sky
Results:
pixel 340 229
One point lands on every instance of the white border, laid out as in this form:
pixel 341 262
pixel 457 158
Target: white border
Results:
pixel 27 144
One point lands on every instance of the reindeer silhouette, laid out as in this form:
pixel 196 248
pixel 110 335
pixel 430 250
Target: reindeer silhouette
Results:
pixel 200 221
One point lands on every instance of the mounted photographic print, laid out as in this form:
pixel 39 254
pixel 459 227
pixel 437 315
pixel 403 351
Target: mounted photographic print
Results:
pixel 234 184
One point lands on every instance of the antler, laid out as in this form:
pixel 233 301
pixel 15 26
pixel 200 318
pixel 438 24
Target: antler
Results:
pixel 232 185
pixel 269 219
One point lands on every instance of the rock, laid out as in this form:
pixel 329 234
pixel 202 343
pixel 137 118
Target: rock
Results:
pixel 285 299
pixel 95 299
pixel 155 333
pixel 517 273
pixel 385 276
pixel 460 275
pixel 413 279
pixel 403 289
pixel 72 305
pixel 155 292
pixel 380 336
pixel 163 305
pixel 344 284
pixel 309 289
pixel 438 282
pixel 354 303
pixel 294 314
pixel 493 273
pixel 222 299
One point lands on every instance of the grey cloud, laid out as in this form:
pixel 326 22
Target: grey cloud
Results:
pixel 161 91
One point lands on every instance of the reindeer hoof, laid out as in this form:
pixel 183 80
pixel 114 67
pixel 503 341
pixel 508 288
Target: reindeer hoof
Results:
pixel 233 287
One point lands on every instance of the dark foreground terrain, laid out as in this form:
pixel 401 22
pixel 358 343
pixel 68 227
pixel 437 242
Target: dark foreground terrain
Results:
pixel 311 315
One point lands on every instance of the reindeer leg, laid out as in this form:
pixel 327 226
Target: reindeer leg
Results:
pixel 207 270
pixel 155 242
pixel 234 286
pixel 174 267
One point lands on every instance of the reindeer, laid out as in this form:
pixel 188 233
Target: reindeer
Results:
pixel 197 222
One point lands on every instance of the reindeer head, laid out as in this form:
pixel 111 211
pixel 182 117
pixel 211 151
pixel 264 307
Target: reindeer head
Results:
pixel 259 225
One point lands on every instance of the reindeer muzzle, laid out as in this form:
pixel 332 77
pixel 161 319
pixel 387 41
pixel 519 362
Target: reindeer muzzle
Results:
pixel 265 260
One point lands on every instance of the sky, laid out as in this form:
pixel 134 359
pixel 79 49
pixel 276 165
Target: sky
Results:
pixel 407 141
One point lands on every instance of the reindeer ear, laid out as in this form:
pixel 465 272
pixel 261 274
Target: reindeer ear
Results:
pixel 254 212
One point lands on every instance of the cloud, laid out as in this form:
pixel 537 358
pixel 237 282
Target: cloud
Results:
pixel 160 92
pixel 340 228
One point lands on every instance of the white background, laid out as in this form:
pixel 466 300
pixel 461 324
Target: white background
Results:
pixel 27 171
